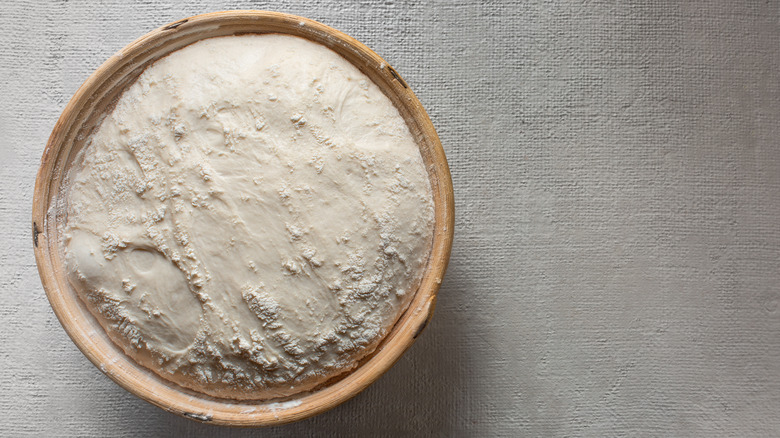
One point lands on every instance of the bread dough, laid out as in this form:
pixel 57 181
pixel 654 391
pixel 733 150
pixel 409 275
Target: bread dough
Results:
pixel 251 218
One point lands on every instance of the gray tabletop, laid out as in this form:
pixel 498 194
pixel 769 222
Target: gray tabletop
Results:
pixel 616 268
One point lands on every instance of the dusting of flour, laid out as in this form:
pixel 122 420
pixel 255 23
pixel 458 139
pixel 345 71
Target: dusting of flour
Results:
pixel 250 219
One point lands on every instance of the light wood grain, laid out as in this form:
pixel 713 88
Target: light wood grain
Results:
pixel 92 100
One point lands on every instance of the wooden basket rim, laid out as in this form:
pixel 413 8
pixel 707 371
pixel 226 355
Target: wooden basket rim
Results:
pixel 170 396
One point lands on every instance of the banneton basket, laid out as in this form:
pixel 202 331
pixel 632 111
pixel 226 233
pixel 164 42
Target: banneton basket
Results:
pixel 76 123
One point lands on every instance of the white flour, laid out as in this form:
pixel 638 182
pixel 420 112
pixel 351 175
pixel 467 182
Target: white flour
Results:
pixel 251 218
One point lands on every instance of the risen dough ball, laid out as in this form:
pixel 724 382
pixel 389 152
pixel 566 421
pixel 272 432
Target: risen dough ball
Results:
pixel 251 218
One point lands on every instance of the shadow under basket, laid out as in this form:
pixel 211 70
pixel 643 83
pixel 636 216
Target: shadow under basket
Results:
pixel 81 115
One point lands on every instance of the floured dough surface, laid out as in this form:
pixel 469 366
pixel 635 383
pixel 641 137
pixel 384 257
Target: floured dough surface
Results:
pixel 251 218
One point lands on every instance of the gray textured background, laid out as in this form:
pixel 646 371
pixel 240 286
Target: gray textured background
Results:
pixel 616 269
